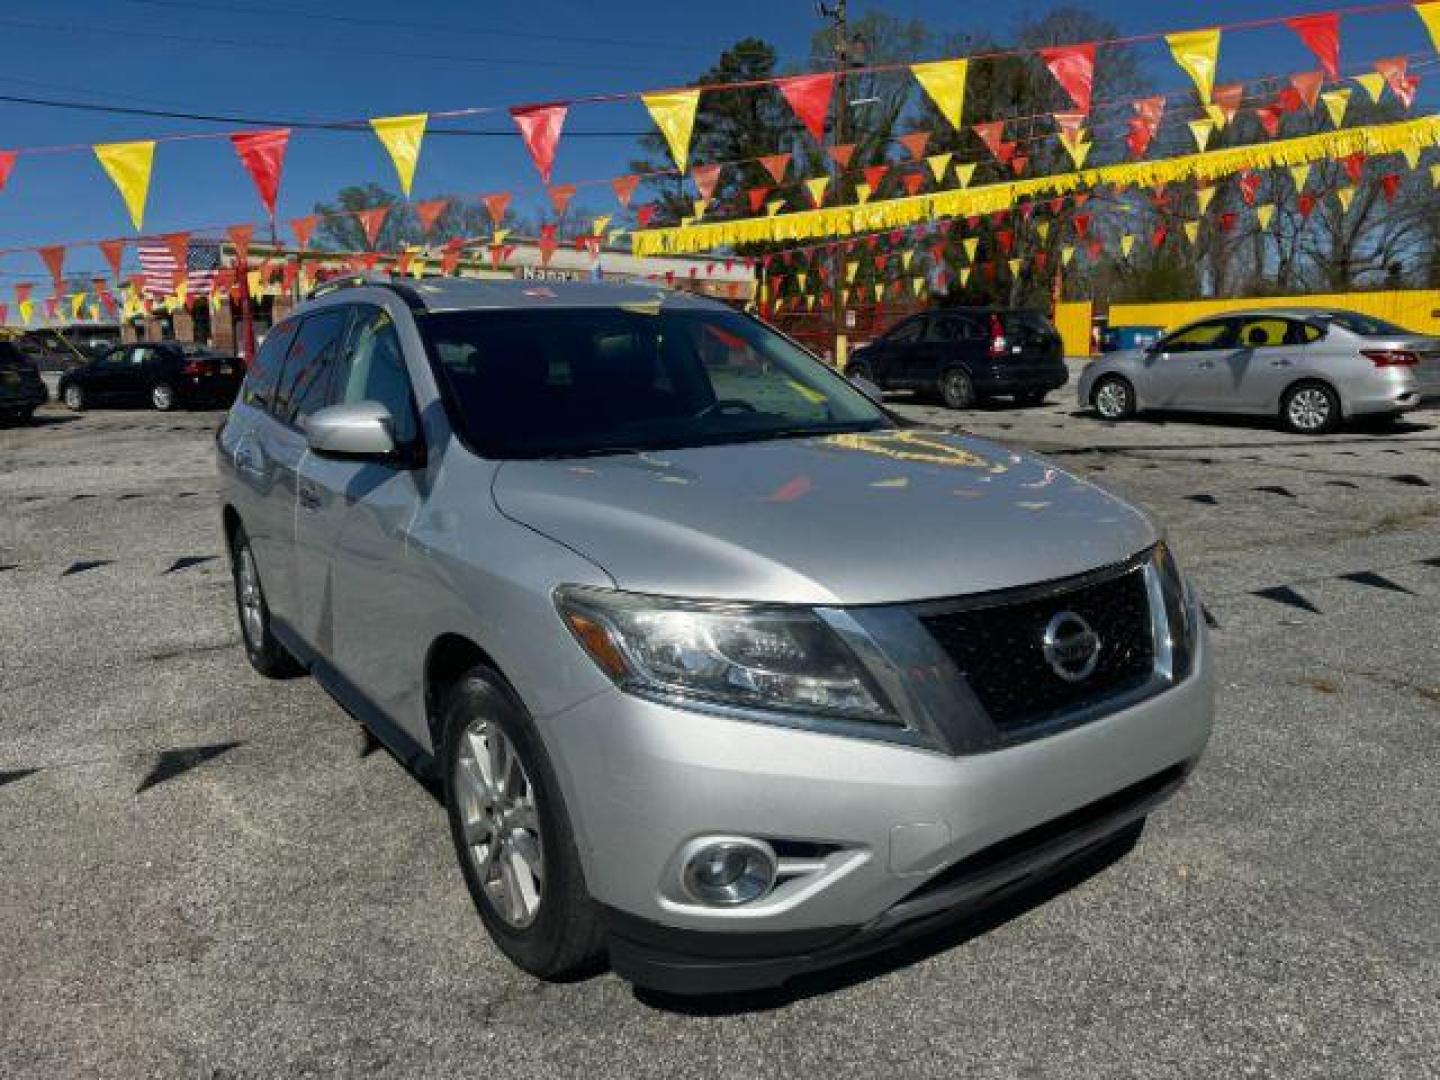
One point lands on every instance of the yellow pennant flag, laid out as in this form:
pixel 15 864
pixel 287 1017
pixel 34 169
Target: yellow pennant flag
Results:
pixel 674 115
pixel 401 137
pixel 1435 176
pixel 1299 174
pixel 907 256
pixel 686 222
pixel 964 276
pixel 1411 154
pixel 94 312
pixel 1042 230
pixel 1192 230
pixel 1196 51
pixel 773 207
pixel 1078 150
pixel 1014 265
pixel 128 165
pixel 1067 253
pixel 1263 214
pixel 77 301
pixel 801 278
pixel 965 173
pixel 918 286
pixel 862 193
pixel 1217 113
pixel 944 81
pixel 417 268
pixel 699 206
pixel 817 188
pixel 1201 130
pixel 1346 195
pixel 879 290
pixel 852 268
pixel 1374 84
pixel 500 236
pixel 27 309
pixel 252 282
pixel 938 164
pixel 1336 101
pixel 182 291
pixel 1430 15
pixel 599 225
pixel 1127 244
pixel 1203 196
pixel 971 245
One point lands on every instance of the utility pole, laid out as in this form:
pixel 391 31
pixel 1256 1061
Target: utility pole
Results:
pixel 839 22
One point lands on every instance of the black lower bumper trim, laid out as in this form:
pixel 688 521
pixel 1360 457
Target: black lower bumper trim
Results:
pixel 691 962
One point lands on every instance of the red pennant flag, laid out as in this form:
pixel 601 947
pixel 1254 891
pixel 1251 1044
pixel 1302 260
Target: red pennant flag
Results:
pixel 1249 184
pixel 1289 100
pixel 999 217
pixel 429 212
pixel 7 165
pixel 540 127
pixel 1144 124
pixel 1018 162
pixel 1307 86
pixel 22 292
pixel 1093 249
pixel 809 96
pixel 371 220
pixel 54 259
pixel 1269 117
pixel 1041 260
pixel 1082 225
pixel 913 183
pixel 1306 205
pixel 1056 205
pixel 1393 69
pixel 624 188
pixel 875 176
pixel 841 155
pixel 449 262
pixel 240 236
pixel 1390 183
pixel 1006 239
pixel 52 308
pixel 1074 68
pixel 303 227
pixel 705 177
pixel 496 205
pixel 645 214
pixel 915 143
pixel 560 196
pixel 992 134
pixel 757 196
pixel 1321 35
pixel 114 252
pixel 402 261
pixel 775 165
pixel 1227 221
pixel 1354 166
pixel 1228 99
pixel 1157 238
pixel 263 155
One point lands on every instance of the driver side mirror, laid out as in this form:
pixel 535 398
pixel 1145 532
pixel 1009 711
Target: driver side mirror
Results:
pixel 361 429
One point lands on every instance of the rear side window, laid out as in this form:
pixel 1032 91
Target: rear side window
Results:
pixel 1027 327
pixel 906 332
pixel 264 373
pixel 1217 334
pixel 304 385
pixel 372 368
pixel 955 328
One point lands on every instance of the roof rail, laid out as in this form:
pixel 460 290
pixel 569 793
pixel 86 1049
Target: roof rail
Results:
pixel 368 280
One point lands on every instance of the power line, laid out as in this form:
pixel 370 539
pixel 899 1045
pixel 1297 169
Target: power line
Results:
pixel 411 25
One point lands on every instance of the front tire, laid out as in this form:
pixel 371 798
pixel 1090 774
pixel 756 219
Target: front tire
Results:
pixel 1310 409
pixel 162 397
pixel 1113 398
pixel 957 389
pixel 74 398
pixel 511 832
pixel 266 654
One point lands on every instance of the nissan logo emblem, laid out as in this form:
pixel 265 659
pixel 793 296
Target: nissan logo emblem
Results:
pixel 1071 648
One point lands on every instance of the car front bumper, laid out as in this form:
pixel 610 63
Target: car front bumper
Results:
pixel 642 779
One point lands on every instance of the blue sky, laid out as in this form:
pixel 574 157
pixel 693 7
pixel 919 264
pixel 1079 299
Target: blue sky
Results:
pixel 293 59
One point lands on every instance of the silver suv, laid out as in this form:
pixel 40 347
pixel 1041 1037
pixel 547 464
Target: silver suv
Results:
pixel 720 666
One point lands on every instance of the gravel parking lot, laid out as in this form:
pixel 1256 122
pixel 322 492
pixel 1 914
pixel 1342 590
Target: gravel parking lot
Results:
pixel 203 873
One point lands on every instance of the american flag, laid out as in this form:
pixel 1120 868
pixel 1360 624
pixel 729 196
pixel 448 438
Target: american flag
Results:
pixel 157 260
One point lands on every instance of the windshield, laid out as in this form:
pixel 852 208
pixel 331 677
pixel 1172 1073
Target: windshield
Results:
pixel 1363 325
pixel 572 382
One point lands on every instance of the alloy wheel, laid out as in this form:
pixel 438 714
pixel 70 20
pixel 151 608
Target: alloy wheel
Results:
pixel 252 603
pixel 501 822
pixel 162 397
pixel 1309 409
pixel 74 398
pixel 957 390
pixel 1111 401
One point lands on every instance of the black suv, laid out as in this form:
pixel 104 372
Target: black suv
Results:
pixel 21 389
pixel 164 374
pixel 966 355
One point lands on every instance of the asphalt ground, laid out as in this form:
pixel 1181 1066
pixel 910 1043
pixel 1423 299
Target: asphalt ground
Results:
pixel 206 874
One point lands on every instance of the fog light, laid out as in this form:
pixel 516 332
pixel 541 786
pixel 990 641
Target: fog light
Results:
pixel 728 872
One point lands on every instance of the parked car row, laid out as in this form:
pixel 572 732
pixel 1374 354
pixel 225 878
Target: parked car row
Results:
pixel 22 391
pixel 163 374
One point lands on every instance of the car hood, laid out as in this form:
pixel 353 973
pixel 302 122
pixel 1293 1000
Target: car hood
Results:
pixel 843 519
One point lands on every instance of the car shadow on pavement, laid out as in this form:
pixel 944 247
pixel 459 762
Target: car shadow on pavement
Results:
pixel 1012 906
pixel 1153 418
pixel 41 420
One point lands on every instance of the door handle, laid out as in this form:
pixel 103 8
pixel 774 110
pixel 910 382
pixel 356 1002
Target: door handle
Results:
pixel 1206 364
pixel 309 498
pixel 1281 362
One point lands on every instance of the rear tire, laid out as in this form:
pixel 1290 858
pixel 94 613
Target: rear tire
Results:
pixel 266 654
pixel 512 836
pixel 1113 398
pixel 74 398
pixel 957 389
pixel 1310 408
pixel 162 397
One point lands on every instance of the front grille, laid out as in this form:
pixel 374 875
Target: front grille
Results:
pixel 999 649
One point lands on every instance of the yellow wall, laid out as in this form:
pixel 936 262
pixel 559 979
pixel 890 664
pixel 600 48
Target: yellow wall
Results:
pixel 1417 310
pixel 1073 322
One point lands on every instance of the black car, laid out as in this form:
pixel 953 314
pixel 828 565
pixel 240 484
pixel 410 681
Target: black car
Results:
pixel 162 374
pixel 22 391
pixel 966 355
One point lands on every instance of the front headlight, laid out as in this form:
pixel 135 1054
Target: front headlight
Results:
pixel 1180 611
pixel 776 659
